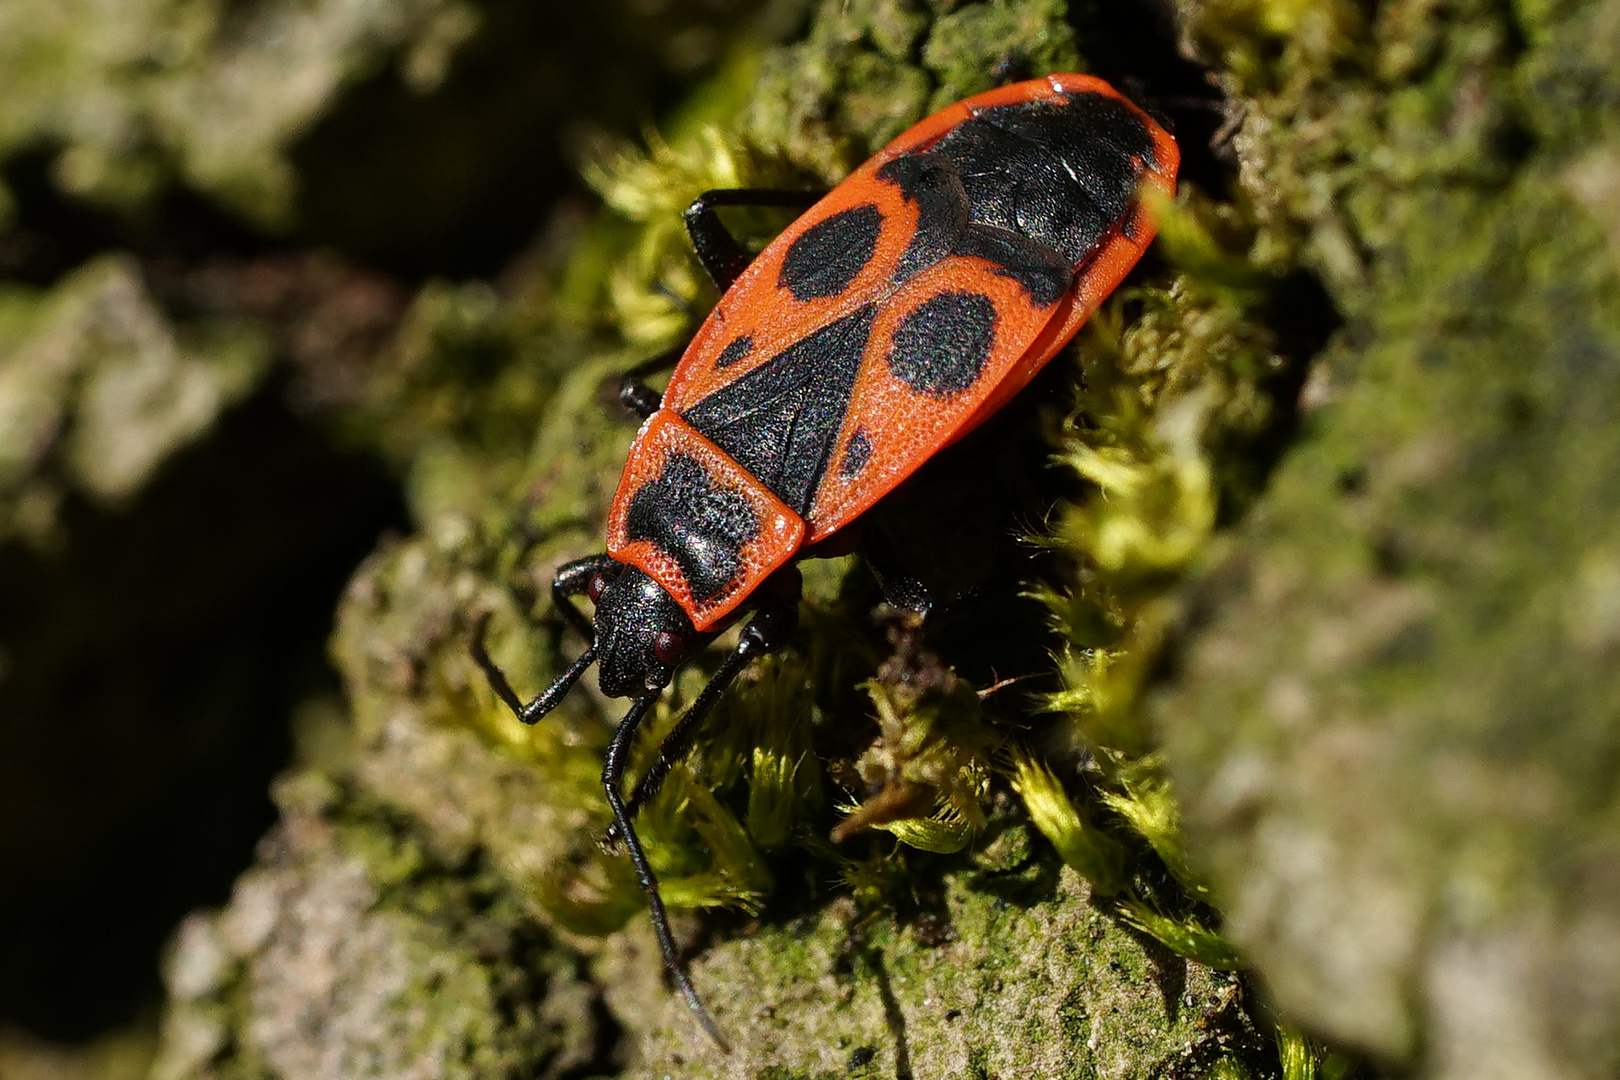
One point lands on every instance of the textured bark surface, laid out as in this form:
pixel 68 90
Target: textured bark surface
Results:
pixel 1393 717
pixel 1331 554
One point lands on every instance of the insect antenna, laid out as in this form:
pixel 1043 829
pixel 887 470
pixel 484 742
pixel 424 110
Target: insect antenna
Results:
pixel 541 705
pixel 618 756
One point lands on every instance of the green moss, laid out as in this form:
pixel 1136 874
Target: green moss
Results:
pixel 1391 664
pixel 352 950
pixel 966 46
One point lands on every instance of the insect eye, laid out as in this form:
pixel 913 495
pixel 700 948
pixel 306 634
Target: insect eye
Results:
pixel 669 648
pixel 594 589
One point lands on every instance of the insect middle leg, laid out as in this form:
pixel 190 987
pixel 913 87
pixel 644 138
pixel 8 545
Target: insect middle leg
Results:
pixel 721 254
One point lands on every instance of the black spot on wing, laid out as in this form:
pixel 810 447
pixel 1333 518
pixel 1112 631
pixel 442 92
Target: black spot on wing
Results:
pixel 932 183
pixel 857 452
pixel 780 421
pixel 696 521
pixel 941 347
pixel 827 256
pixel 1061 173
pixel 1044 274
pixel 735 352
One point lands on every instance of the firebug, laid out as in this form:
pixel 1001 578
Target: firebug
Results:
pixel 901 310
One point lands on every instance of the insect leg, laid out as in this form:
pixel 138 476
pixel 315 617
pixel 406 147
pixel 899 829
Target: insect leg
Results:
pixel 573 578
pixel 570 580
pixel 719 252
pixel 636 395
pixel 612 781
pixel 768 631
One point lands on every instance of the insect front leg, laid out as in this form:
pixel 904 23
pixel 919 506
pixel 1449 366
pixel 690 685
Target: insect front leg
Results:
pixel 635 394
pixel 772 626
pixel 613 783
pixel 570 580
pixel 720 253
pixel 574 578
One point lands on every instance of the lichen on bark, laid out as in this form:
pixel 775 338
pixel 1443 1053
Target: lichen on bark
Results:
pixel 1351 717
pixel 1393 715
pixel 995 959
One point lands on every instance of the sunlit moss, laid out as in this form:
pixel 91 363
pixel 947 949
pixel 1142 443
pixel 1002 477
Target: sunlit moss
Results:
pixel 1183 936
pixel 1230 1068
pixel 944 833
pixel 1148 805
pixel 655 287
pixel 1079 842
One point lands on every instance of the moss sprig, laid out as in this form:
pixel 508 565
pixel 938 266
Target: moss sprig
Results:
pixel 1177 380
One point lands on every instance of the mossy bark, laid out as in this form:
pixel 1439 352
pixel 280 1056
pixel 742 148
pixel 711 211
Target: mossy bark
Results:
pixel 1393 719
pixel 1381 675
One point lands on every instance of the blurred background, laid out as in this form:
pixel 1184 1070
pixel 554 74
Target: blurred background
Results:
pixel 213 217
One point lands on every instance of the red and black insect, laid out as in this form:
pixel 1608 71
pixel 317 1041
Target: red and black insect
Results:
pixel 899 312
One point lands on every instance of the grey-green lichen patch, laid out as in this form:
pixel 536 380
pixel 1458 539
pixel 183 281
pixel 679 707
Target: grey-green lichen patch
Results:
pixel 98 387
pixel 212 93
pixel 869 69
pixel 1054 988
pixel 349 952
pixel 1393 719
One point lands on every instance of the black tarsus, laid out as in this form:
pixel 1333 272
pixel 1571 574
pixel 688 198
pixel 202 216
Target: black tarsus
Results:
pixel 772 625
pixel 569 581
pixel 541 705
pixel 719 252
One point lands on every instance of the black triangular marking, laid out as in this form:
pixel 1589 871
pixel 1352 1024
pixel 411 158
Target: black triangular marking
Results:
pixel 781 420
pixel 932 183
